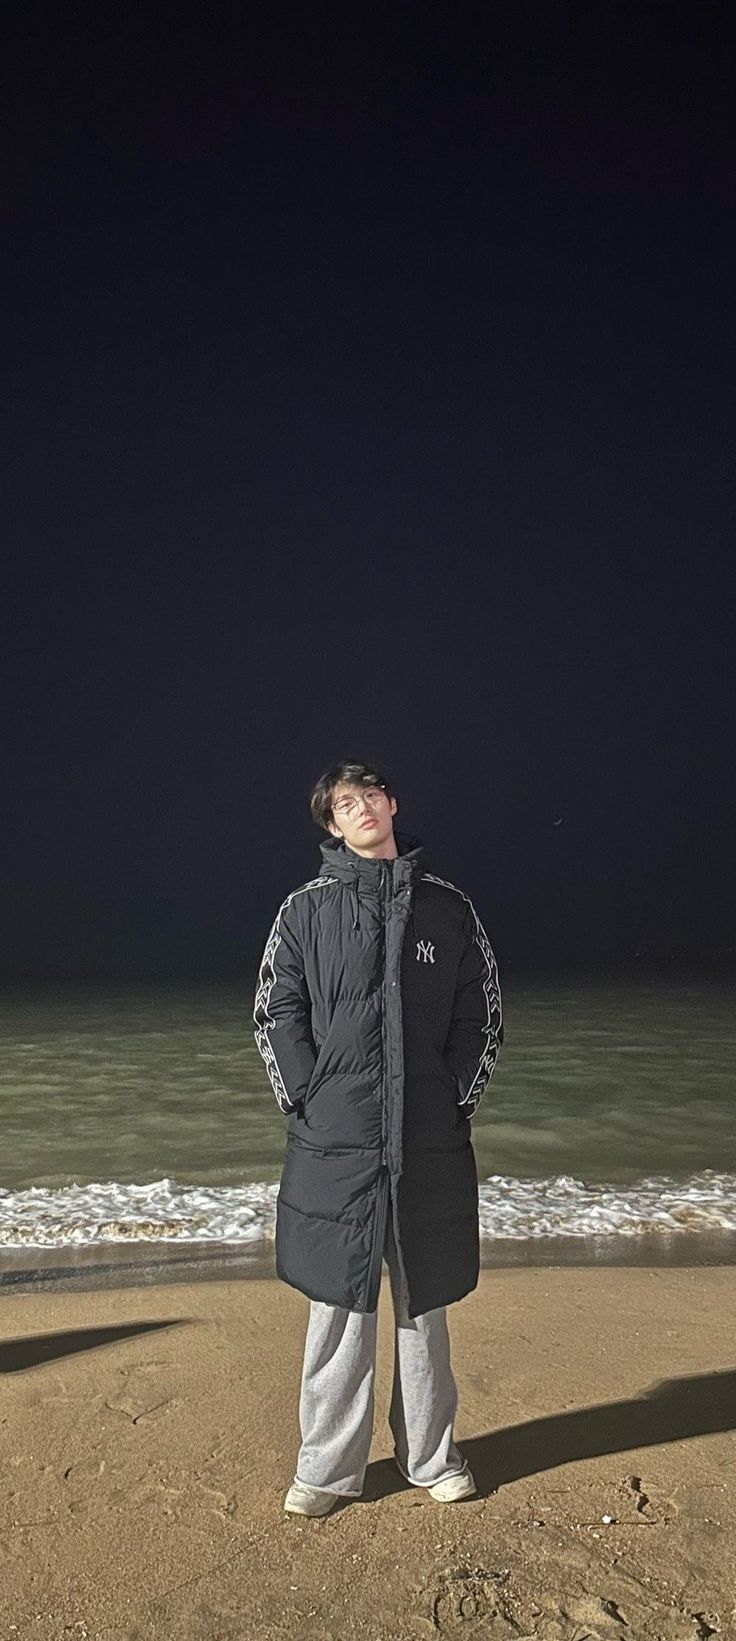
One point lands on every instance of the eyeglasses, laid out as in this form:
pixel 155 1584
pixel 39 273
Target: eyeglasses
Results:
pixel 347 807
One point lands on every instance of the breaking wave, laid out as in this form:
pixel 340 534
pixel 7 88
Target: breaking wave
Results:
pixel 517 1210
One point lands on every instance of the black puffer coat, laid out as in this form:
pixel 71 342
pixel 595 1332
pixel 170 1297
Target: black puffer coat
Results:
pixel 378 1015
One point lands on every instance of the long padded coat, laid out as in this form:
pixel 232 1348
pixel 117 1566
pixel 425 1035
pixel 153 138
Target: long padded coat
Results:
pixel 378 1015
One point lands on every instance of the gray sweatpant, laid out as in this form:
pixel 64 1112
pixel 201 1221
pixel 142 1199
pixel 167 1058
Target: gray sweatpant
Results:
pixel 336 1401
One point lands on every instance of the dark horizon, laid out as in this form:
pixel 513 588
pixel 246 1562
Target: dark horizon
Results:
pixel 371 396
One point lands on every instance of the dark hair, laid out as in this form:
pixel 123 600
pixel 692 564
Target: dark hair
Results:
pixel 357 774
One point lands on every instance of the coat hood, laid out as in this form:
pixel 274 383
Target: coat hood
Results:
pixel 363 876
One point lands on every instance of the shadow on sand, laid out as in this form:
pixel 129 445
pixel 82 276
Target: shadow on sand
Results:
pixel 672 1411
pixel 38 1348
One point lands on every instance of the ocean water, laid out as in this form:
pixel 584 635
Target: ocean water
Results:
pixel 145 1117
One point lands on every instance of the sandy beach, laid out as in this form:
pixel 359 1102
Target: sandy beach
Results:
pixel 148 1433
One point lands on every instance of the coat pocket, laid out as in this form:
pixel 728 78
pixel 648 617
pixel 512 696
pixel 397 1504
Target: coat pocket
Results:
pixel 449 1078
pixel 312 1084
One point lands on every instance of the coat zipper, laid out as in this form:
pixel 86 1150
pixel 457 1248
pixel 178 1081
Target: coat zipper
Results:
pixel 379 1237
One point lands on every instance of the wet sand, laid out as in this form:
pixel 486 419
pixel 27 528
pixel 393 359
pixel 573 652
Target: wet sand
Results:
pixel 148 1433
pixel 141 1263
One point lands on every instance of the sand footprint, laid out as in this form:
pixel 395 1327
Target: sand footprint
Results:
pixel 468 1601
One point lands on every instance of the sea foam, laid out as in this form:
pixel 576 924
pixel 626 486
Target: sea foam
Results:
pixel 510 1210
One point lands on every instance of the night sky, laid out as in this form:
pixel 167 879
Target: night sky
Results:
pixel 371 395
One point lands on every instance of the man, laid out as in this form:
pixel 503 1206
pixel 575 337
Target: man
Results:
pixel 378 1015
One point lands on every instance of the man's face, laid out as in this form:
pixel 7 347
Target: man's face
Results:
pixel 363 816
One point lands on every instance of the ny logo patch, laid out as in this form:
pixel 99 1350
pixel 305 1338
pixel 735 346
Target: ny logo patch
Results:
pixel 425 951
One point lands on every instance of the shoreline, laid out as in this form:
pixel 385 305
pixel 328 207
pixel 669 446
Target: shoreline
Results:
pixel 97 1267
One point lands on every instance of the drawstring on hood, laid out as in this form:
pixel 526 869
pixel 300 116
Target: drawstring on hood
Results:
pixel 359 871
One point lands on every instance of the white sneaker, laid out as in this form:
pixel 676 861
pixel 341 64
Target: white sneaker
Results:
pixel 309 1501
pixel 460 1486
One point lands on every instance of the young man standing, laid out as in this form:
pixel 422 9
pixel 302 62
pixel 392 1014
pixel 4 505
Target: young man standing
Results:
pixel 378 1015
